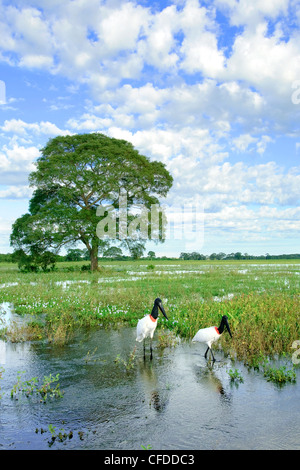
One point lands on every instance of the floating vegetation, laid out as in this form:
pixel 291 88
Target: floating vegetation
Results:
pixel 235 376
pixel 280 375
pixel 31 387
pixel 60 436
pixel 90 356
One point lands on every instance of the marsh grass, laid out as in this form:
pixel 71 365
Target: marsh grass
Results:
pixel 127 363
pixel 19 333
pixel 261 300
pixel 166 338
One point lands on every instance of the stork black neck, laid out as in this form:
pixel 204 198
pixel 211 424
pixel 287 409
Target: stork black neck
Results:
pixel 222 326
pixel 154 313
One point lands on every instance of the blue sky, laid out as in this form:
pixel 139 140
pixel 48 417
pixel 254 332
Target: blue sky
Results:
pixel 210 88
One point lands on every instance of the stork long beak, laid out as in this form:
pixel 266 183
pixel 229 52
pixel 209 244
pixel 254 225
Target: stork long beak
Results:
pixel 161 308
pixel 228 328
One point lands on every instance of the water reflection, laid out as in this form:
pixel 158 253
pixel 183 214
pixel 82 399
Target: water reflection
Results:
pixel 208 378
pixel 151 385
pixel 11 353
pixel 6 313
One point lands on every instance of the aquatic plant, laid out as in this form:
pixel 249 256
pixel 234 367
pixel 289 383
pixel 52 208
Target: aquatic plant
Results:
pixel 235 376
pixel 46 389
pixel 90 356
pixel 279 375
pixel 30 387
pixel 19 333
pixel 61 435
pixel 128 364
pixel 26 386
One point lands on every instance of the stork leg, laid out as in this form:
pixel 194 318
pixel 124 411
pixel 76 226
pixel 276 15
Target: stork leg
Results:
pixel 144 349
pixel 151 348
pixel 212 354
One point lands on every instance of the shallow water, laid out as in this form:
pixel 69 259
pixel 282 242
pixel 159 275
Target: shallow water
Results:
pixel 176 401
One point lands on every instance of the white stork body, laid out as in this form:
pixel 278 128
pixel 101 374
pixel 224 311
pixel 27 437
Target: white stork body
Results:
pixel 207 335
pixel 146 326
pixel 211 334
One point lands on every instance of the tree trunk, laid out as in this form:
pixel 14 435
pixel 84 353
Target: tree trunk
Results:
pixel 93 249
pixel 94 258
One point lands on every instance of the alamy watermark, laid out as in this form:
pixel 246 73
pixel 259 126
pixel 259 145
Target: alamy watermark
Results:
pixel 296 354
pixel 295 97
pixel 184 222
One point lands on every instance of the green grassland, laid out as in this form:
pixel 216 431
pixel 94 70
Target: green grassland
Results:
pixel 260 298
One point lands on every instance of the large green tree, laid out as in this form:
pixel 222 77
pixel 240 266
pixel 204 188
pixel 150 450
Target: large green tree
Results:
pixel 74 175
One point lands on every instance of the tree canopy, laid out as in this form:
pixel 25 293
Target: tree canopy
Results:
pixel 74 175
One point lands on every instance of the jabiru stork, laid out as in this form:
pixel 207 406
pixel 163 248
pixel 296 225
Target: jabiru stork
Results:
pixel 147 325
pixel 211 334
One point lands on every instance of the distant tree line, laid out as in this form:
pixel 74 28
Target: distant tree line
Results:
pixel 75 254
pixel 235 256
pixel 46 261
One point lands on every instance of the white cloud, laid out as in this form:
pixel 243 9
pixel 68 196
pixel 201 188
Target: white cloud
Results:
pixel 199 47
pixel 182 106
pixel 19 127
pixel 243 141
pixel 167 145
pixel 243 12
pixel 27 34
pixel 114 29
pixel 36 61
pixel 241 222
pixel 16 162
pixel 89 122
pixel 262 143
pixel 101 45
pixel 199 171
pixel 270 64
pixel 159 43
pixel 16 192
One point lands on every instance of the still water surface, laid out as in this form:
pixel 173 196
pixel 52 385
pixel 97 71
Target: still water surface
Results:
pixel 176 401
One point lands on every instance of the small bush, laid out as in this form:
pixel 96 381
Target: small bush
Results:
pixel 279 375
